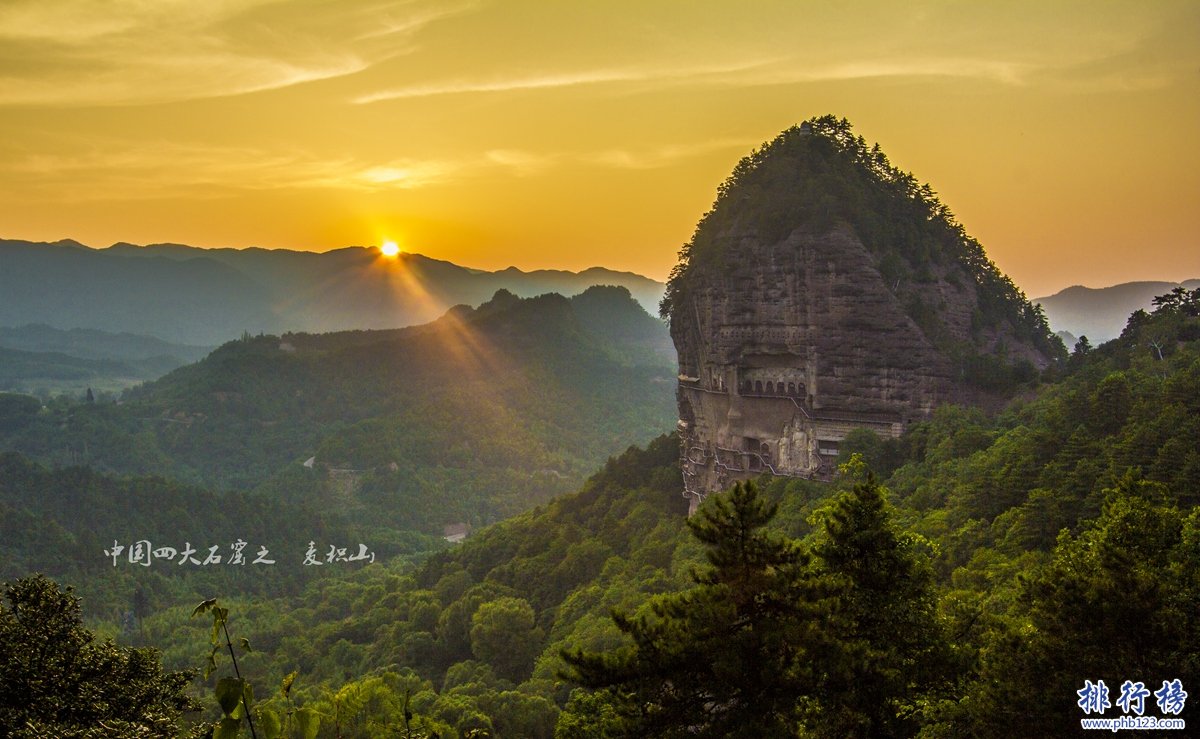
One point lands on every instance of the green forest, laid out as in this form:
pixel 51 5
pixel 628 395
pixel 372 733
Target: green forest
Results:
pixel 470 419
pixel 965 579
pixel 40 360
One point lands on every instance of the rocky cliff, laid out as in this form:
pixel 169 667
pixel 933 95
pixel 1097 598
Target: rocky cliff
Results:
pixel 827 291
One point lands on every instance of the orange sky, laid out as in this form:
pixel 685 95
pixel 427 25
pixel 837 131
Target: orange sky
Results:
pixel 570 134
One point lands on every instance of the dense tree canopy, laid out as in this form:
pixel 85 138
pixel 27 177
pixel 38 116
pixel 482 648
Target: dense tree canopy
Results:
pixel 772 642
pixel 885 621
pixel 57 681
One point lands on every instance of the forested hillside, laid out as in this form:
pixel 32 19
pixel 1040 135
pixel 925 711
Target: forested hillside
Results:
pixel 474 417
pixel 1051 543
pixel 39 360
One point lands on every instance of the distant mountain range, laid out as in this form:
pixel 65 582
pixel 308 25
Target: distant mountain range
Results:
pixel 37 358
pixel 484 411
pixel 197 298
pixel 1100 313
pixel 206 297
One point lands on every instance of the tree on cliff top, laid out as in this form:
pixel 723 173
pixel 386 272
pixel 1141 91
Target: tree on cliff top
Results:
pixel 818 176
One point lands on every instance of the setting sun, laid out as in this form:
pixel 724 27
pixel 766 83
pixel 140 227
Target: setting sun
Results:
pixel 389 248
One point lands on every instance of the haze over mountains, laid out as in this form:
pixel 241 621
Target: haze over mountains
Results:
pixel 198 297
pixel 1100 313
pixel 495 407
pixel 36 358
pixel 206 297
pixel 382 437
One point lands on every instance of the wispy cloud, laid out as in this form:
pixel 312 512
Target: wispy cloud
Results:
pixel 80 52
pixel 522 163
pixel 108 169
pixel 455 87
pixel 760 72
pixel 1017 71
pixel 403 174
pixel 103 169
pixel 996 70
pixel 515 83
pixel 84 52
pixel 1154 59
pixel 663 156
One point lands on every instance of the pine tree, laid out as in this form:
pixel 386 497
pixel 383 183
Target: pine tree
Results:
pixel 734 656
pixel 890 648
pixel 773 641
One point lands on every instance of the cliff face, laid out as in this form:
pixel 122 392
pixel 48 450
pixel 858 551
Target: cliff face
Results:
pixel 797 322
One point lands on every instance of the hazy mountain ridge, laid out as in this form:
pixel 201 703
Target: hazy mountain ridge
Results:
pixel 65 286
pixel 1099 313
pixel 503 405
pixel 40 359
pixel 471 418
pixel 17 366
pixel 208 296
pixel 93 344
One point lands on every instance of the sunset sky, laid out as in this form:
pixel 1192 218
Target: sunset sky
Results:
pixel 571 134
